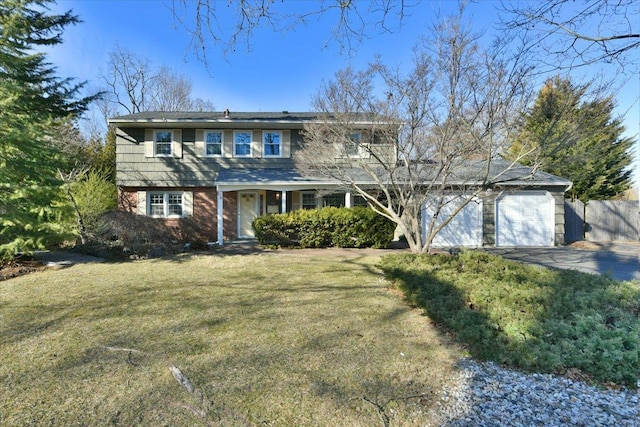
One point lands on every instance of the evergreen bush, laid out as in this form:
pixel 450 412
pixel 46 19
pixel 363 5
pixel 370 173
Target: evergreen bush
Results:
pixel 327 227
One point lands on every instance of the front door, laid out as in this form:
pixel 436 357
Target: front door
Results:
pixel 247 212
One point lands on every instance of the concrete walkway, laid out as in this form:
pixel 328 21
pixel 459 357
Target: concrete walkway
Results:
pixel 62 259
pixel 617 260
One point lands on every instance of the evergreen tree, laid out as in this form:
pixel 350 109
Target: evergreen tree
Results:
pixel 32 101
pixel 574 135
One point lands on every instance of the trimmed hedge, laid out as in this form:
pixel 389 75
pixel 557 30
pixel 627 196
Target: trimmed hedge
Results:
pixel 357 227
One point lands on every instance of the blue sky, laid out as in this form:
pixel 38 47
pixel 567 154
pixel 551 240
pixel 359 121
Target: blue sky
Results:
pixel 280 72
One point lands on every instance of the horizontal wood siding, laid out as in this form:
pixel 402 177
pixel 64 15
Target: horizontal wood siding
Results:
pixel 186 169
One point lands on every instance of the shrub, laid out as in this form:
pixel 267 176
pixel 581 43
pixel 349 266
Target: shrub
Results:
pixel 527 316
pixel 94 195
pixel 320 228
pixel 118 234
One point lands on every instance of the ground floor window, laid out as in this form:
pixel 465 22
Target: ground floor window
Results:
pixel 360 201
pixel 309 200
pixel 165 204
pixel 335 200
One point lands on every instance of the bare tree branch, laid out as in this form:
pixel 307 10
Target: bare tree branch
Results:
pixel 350 22
pixel 133 85
pixel 432 136
pixel 128 77
pixel 579 33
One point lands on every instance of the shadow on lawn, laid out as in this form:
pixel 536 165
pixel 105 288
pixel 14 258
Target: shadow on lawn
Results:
pixel 562 322
pixel 450 309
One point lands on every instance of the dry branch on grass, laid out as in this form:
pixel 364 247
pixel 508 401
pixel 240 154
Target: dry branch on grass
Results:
pixel 186 383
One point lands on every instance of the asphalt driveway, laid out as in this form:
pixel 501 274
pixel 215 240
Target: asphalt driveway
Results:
pixel 618 260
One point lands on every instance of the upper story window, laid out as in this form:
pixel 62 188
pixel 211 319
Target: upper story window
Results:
pixel 352 146
pixel 272 141
pixel 165 204
pixel 213 143
pixel 242 144
pixel 162 140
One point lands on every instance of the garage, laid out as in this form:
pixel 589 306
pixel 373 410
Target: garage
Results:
pixel 525 218
pixel 464 230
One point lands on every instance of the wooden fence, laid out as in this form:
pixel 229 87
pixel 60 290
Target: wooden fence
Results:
pixel 602 221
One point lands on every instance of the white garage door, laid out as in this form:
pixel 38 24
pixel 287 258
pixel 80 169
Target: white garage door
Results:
pixel 464 230
pixel 525 218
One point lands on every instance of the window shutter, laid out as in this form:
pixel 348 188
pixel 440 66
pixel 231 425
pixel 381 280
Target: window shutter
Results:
pixel 177 143
pixel 339 150
pixel 364 150
pixel 148 143
pixel 187 203
pixel 286 143
pixel 142 203
pixel 199 145
pixel 256 143
pixel 227 144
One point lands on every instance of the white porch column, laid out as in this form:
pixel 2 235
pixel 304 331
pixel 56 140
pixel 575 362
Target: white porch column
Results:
pixel 220 216
pixel 283 199
pixel 348 200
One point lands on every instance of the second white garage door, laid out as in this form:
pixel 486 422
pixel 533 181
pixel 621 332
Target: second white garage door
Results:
pixel 525 218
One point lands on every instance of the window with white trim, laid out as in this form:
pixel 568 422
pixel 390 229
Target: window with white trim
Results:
pixel 360 201
pixel 309 200
pixel 272 140
pixel 165 205
pixel 162 142
pixel 352 146
pixel 242 144
pixel 213 141
pixel 335 200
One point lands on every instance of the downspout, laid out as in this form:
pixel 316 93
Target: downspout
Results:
pixel 220 209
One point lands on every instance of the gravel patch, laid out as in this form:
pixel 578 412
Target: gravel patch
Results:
pixel 484 394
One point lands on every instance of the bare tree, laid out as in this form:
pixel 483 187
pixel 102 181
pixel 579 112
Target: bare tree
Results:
pixel 433 135
pixel 134 85
pixel 351 21
pixel 576 33
pixel 128 79
pixel 172 92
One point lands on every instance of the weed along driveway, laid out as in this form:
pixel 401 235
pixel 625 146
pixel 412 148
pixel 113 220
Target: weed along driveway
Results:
pixel 618 260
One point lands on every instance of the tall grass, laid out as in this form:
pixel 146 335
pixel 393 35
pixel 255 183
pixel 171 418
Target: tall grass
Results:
pixel 526 316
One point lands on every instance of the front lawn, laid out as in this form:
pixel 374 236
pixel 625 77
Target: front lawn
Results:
pixel 272 339
pixel 525 316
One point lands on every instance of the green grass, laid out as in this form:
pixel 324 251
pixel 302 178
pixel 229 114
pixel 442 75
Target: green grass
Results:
pixel 525 316
pixel 273 339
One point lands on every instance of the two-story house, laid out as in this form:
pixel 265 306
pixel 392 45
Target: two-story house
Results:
pixel 224 169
